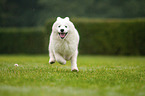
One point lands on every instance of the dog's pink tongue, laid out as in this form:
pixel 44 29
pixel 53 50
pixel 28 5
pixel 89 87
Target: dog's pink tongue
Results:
pixel 62 35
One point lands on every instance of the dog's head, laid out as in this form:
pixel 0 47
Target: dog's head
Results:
pixel 62 27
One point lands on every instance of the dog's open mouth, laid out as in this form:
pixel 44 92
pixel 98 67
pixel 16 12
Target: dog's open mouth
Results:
pixel 62 35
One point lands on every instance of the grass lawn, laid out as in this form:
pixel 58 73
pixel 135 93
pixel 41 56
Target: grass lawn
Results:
pixel 98 76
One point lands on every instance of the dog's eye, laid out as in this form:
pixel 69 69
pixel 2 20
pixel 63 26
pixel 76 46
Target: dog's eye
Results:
pixel 59 26
pixel 65 26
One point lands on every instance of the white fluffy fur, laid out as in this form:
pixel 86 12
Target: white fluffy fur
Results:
pixel 61 50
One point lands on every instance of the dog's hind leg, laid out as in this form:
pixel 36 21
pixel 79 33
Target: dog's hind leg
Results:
pixel 60 59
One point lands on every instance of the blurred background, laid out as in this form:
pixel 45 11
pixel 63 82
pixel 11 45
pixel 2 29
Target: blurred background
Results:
pixel 106 27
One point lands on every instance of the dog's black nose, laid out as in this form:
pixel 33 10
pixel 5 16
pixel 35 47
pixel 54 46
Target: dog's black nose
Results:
pixel 62 30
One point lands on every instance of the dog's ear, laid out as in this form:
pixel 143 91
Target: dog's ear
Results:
pixel 58 18
pixel 66 18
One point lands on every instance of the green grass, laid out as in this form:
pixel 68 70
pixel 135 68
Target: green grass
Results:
pixel 98 76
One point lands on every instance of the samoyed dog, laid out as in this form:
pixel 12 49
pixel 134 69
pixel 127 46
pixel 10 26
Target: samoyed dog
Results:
pixel 63 44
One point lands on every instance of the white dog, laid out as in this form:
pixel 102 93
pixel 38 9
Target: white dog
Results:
pixel 63 43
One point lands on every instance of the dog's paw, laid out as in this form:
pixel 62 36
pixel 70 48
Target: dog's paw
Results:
pixel 51 62
pixel 62 62
pixel 75 70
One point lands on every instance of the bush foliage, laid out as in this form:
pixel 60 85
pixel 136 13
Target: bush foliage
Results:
pixel 109 37
pixel 23 40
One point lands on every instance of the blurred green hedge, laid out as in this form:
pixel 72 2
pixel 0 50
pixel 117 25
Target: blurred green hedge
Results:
pixel 110 36
pixel 107 36
pixel 23 40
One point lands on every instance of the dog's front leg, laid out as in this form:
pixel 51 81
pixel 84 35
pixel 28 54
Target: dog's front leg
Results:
pixel 51 55
pixel 52 59
pixel 74 62
pixel 60 59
